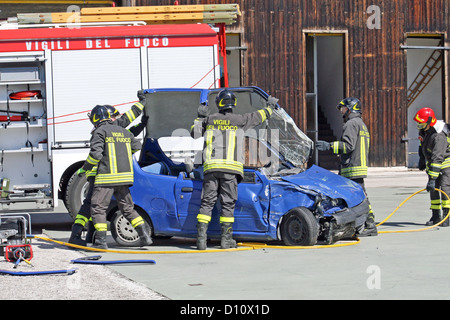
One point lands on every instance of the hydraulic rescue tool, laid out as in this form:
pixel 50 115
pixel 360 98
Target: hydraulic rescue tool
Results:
pixel 13 238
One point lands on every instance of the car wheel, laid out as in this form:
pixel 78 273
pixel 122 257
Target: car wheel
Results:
pixel 299 228
pixel 75 194
pixel 123 232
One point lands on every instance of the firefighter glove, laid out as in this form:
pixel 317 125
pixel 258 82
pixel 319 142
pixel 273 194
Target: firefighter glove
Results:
pixel 203 111
pixel 141 96
pixel 431 185
pixel 144 120
pixel 323 145
pixel 422 164
pixel 80 172
pixel 272 102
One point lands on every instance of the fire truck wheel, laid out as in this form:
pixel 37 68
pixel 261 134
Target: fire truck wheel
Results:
pixel 75 193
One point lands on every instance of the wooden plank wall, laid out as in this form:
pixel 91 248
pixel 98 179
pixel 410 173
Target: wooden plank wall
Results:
pixel 273 32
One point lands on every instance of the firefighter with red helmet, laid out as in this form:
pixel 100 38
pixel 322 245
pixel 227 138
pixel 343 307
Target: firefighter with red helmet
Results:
pixel 353 150
pixel 435 149
pixel 223 161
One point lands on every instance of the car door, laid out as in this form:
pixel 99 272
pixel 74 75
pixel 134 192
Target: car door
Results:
pixel 251 211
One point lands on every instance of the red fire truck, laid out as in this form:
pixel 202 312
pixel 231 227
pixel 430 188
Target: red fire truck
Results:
pixel 51 77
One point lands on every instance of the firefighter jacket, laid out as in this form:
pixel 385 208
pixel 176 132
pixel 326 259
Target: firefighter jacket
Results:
pixel 353 148
pixel 124 121
pixel 223 148
pixel 436 149
pixel 111 150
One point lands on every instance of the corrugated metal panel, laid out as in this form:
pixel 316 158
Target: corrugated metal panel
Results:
pixel 273 32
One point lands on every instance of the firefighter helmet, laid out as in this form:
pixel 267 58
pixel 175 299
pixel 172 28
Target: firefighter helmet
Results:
pixel 353 105
pixel 424 117
pixel 112 111
pixel 98 114
pixel 226 100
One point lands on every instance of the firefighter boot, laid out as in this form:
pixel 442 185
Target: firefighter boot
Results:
pixel 90 232
pixel 100 240
pixel 201 235
pixel 435 217
pixel 370 227
pixel 446 223
pixel 226 241
pixel 144 234
pixel 75 237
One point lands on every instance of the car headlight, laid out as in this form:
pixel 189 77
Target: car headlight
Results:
pixel 324 203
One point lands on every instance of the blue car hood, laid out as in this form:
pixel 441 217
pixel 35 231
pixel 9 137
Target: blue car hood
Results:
pixel 327 183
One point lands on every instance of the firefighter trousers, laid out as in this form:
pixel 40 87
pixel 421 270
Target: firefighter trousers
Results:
pixel 439 200
pixel 84 214
pixel 101 198
pixel 370 221
pixel 223 185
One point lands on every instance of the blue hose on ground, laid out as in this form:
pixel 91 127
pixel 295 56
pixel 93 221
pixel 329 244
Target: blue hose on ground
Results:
pixel 37 273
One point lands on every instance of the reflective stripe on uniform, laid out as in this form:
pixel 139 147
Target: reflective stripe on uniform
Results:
pixel 130 114
pixel 435 204
pixel 79 219
pixel 137 222
pixel 354 171
pixel 107 178
pixel 226 219
pixel 223 164
pixel 92 161
pixel 446 204
pixel 101 227
pixel 203 218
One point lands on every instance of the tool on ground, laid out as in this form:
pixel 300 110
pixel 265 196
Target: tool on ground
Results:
pixel 95 260
pixel 14 244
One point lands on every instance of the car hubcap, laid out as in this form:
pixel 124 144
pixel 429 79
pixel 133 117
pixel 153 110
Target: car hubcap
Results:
pixel 125 231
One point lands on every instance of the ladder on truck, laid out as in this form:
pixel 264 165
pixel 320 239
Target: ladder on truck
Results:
pixel 181 14
pixel 425 75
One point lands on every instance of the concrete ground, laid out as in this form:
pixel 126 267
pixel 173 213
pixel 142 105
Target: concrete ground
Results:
pixel 403 265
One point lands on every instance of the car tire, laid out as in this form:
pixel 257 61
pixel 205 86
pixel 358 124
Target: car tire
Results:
pixel 299 228
pixel 75 194
pixel 123 232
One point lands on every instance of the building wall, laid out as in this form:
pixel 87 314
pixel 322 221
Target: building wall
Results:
pixel 274 32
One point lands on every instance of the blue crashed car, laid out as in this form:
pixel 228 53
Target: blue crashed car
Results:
pixel 279 198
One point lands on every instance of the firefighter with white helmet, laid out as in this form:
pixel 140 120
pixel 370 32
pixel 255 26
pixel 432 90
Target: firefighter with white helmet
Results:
pixel 435 149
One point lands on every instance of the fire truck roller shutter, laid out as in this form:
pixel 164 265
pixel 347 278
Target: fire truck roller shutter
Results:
pixel 83 79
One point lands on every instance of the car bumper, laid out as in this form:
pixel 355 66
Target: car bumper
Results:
pixel 357 214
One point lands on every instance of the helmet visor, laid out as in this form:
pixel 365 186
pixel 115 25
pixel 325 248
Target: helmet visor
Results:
pixel 421 126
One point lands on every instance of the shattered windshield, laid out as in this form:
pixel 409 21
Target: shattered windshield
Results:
pixel 275 144
pixel 279 132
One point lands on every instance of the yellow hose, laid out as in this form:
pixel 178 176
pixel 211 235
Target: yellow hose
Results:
pixel 413 230
pixel 139 251
pixel 263 245
pixel 245 246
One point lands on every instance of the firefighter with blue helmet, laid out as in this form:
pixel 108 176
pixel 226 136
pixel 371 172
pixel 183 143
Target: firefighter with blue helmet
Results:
pixel 98 114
